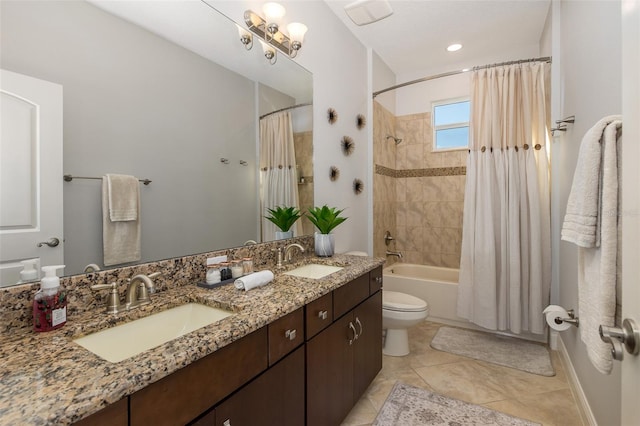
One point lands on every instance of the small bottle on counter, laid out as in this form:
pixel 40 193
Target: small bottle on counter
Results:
pixel 225 271
pixel 50 302
pixel 213 274
pixel 236 269
pixel 247 265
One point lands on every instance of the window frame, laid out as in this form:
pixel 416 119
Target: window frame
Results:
pixel 456 125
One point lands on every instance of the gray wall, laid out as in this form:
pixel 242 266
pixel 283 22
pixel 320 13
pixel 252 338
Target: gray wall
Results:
pixel 588 86
pixel 137 104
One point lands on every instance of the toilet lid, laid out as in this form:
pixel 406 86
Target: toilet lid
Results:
pixel 397 301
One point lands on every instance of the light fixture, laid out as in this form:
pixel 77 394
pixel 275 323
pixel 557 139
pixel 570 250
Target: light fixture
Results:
pixel 246 38
pixel 269 52
pixel 269 30
pixel 454 47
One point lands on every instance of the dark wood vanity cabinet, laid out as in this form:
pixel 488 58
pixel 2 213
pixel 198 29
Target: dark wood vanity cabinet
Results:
pixel 343 359
pixel 182 396
pixel 270 377
pixel 274 398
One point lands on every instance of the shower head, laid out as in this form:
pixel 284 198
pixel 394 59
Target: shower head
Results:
pixel 396 140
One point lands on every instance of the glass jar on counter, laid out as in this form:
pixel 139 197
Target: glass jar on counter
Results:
pixel 213 274
pixel 247 265
pixel 236 269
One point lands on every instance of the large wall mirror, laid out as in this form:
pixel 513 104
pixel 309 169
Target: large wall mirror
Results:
pixel 162 91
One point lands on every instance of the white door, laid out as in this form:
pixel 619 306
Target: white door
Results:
pixel 630 202
pixel 30 173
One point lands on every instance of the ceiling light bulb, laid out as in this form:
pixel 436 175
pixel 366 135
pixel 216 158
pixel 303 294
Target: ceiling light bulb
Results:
pixel 454 47
pixel 273 13
pixel 296 32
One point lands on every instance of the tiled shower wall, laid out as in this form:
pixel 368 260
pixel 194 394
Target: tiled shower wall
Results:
pixel 303 145
pixel 418 194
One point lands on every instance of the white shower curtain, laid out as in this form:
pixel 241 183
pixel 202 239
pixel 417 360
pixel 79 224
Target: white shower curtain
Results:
pixel 278 180
pixel 505 264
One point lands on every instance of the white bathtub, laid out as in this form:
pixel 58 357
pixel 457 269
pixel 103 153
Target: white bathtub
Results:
pixel 435 285
pixel 438 287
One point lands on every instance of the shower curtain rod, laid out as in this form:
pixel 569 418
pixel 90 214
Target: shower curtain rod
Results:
pixel 284 109
pixel 447 74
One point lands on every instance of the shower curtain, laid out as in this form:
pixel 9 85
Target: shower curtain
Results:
pixel 278 181
pixel 505 264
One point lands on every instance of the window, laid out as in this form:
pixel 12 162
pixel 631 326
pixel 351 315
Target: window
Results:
pixel 450 122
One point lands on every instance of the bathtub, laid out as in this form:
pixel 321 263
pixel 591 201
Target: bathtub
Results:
pixel 438 287
pixel 435 285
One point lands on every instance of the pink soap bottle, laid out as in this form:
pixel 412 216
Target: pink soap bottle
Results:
pixel 50 302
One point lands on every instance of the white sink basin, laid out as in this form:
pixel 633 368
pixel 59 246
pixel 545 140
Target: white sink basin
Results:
pixel 314 271
pixel 126 340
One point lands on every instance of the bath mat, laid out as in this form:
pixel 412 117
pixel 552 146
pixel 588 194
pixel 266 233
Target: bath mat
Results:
pixel 502 350
pixel 407 405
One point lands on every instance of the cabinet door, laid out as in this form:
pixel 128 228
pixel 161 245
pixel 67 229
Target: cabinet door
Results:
pixel 368 347
pixel 274 398
pixel 330 374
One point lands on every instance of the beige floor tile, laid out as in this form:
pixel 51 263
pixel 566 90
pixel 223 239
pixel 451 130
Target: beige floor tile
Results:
pixel 556 408
pixel 547 400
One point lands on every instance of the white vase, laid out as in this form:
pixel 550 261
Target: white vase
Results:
pixel 324 245
pixel 281 235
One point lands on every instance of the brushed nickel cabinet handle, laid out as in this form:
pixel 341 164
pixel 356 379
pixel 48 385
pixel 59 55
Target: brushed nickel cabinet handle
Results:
pixel 355 334
pixel 290 334
pixel 322 315
pixel 359 324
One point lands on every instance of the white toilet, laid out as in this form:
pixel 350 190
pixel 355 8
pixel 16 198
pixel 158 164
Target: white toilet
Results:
pixel 399 312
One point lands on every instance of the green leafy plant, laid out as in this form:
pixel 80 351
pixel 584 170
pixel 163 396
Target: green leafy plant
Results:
pixel 325 218
pixel 283 217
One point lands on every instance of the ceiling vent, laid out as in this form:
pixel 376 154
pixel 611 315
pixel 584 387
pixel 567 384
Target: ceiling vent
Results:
pixel 363 12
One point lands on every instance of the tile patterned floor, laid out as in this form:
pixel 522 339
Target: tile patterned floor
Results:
pixel 546 400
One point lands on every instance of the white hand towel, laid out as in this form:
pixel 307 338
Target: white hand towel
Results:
pixel 257 279
pixel 124 197
pixel 581 222
pixel 597 266
pixel 120 240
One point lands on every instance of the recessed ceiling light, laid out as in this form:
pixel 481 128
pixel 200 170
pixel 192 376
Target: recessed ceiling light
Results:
pixel 454 47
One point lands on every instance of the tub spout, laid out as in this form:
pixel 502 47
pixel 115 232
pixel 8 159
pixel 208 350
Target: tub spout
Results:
pixel 398 254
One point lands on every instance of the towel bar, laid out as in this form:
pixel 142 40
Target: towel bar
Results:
pixel 69 178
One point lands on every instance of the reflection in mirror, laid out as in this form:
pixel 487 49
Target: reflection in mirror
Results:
pixel 156 90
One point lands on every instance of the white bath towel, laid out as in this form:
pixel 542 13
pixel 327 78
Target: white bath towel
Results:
pixel 257 279
pixel 582 220
pixel 120 239
pixel 124 197
pixel 597 266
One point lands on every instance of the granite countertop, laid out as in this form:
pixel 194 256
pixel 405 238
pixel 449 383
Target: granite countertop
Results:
pixel 47 378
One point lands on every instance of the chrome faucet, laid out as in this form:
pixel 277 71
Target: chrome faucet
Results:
pixel 92 267
pixel 287 251
pixel 138 291
pixel 398 254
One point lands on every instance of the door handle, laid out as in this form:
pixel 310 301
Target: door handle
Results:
pixel 355 333
pixel 53 242
pixel 359 324
pixel 627 336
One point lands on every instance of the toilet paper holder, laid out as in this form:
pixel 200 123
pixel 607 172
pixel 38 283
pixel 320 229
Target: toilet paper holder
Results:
pixel 571 320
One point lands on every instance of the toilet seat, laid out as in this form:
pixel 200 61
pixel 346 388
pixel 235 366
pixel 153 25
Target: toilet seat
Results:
pixel 402 302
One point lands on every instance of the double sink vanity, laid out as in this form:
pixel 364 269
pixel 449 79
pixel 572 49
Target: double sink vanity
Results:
pixel 300 350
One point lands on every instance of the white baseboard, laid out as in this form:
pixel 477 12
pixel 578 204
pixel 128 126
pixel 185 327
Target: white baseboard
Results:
pixel 581 399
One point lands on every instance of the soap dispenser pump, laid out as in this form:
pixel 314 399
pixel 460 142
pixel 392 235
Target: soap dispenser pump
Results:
pixel 29 271
pixel 50 302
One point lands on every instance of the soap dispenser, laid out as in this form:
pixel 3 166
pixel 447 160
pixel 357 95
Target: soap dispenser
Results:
pixel 29 271
pixel 50 302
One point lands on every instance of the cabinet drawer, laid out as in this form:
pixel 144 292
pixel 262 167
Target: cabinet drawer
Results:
pixel 285 334
pixel 190 391
pixel 319 315
pixel 375 280
pixel 349 295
